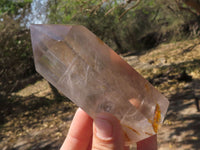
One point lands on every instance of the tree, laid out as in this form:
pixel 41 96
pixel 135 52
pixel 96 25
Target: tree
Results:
pixel 16 56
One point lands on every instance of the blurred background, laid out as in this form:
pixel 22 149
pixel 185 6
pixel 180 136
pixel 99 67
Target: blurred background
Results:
pixel 159 38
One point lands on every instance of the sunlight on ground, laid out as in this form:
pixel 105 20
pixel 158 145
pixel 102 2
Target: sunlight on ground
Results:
pixel 39 89
pixel 34 118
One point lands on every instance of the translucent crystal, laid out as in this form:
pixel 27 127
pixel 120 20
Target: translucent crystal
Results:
pixel 95 78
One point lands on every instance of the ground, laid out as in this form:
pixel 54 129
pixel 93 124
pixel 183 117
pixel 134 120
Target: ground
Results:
pixel 31 118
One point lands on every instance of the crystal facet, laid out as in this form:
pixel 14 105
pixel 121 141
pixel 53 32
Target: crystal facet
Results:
pixel 95 78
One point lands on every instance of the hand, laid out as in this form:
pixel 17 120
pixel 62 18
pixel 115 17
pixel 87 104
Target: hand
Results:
pixel 102 133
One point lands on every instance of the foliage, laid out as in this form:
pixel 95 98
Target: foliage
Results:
pixel 141 28
pixel 145 26
pixel 14 8
pixel 15 46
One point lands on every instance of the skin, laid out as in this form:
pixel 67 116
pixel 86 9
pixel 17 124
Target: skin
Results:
pixel 102 133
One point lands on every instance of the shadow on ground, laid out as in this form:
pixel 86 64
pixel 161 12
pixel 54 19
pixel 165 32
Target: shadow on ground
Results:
pixel 183 91
pixel 40 122
pixel 33 122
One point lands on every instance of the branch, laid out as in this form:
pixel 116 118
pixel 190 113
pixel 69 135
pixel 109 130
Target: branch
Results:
pixel 189 10
pixel 97 7
pixel 110 10
pixel 186 8
pixel 134 6
pixel 193 4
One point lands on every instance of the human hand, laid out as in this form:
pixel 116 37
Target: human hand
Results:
pixel 102 133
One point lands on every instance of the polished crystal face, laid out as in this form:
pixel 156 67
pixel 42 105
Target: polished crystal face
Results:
pixel 95 78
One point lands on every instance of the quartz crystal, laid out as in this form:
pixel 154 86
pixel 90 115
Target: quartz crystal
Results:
pixel 95 78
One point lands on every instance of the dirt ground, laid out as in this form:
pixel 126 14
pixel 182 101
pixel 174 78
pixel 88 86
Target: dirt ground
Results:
pixel 31 118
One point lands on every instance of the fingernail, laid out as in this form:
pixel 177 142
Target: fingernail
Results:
pixel 103 128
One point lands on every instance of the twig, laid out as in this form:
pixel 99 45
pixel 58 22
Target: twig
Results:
pixel 189 10
pixel 184 8
pixel 137 3
pixel 110 10
pixel 14 86
pixel 1 72
pixel 98 6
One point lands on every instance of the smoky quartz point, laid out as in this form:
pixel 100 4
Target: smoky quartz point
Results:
pixel 96 79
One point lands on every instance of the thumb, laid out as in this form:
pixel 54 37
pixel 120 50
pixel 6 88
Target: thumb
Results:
pixel 107 133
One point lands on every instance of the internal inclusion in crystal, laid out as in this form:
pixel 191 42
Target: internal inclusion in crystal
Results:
pixel 94 77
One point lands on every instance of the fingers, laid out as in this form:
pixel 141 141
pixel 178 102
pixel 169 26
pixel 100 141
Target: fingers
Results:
pixel 148 143
pixel 107 133
pixel 104 133
pixel 80 132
